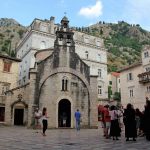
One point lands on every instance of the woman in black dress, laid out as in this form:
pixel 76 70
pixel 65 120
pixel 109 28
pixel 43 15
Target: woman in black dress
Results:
pixel 130 123
pixel 146 118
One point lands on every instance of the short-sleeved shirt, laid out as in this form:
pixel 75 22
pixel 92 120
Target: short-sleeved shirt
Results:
pixel 77 115
pixel 38 114
pixel 107 117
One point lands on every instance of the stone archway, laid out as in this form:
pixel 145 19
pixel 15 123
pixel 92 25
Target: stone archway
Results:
pixel 19 112
pixel 64 113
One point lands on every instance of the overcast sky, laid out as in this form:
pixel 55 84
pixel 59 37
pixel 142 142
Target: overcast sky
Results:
pixel 79 12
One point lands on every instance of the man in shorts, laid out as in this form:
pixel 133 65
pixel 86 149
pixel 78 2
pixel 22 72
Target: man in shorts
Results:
pixel 37 116
pixel 107 120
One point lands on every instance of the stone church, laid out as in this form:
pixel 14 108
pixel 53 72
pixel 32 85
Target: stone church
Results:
pixel 60 81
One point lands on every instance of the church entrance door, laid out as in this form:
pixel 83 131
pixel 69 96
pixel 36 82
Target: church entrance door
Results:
pixel 18 116
pixel 64 113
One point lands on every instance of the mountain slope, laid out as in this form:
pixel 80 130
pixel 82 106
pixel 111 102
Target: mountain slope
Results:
pixel 10 33
pixel 122 40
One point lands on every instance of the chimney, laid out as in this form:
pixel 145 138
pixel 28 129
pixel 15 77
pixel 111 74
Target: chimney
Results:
pixel 52 19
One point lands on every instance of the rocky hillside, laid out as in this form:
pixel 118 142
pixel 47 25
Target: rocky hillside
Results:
pixel 122 40
pixel 10 33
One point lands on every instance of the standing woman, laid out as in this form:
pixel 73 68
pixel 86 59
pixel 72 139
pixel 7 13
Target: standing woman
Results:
pixel 44 120
pixel 130 123
pixel 114 128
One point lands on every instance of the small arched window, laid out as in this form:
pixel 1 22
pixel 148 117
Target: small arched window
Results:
pixel 60 37
pixel 68 38
pixel 99 57
pixel 100 73
pixel 64 84
pixel 86 54
pixel 100 90
pixel 43 45
pixel 65 25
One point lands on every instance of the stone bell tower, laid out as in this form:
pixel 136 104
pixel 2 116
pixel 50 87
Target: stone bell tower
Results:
pixel 64 44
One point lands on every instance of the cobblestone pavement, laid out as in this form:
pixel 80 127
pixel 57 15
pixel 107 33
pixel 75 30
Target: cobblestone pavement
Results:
pixel 20 138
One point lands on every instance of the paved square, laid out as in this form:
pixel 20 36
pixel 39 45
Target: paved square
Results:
pixel 20 138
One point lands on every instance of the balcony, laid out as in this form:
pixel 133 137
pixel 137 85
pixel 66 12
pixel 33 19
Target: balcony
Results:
pixel 144 77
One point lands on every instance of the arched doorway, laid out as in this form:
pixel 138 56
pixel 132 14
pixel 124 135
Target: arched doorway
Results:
pixel 64 113
pixel 19 112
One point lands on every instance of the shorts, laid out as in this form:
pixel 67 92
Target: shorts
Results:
pixel 37 121
pixel 107 125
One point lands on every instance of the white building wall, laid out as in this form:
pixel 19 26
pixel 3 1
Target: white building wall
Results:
pixel 93 53
pixel 23 54
pixel 95 63
pixel 38 40
pixel 28 49
pixel 146 56
pixel 138 99
pixel 24 47
pixel 118 85
pixel 114 84
pixel 24 68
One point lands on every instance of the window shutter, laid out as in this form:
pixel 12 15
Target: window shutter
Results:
pixel 7 66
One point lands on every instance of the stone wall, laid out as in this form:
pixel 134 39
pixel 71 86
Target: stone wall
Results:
pixel 93 102
pixel 16 98
pixel 9 77
pixel 77 94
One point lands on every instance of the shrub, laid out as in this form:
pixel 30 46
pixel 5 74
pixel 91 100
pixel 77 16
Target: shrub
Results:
pixel 20 32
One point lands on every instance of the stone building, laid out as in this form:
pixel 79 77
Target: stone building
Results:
pixel 131 91
pixel 135 81
pixel 8 79
pixel 144 76
pixel 59 80
pixel 41 35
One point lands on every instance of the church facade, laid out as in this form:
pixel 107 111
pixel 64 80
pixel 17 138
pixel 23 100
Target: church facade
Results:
pixel 41 35
pixel 60 80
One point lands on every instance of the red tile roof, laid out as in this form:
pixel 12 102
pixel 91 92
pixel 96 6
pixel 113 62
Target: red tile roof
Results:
pixel 116 74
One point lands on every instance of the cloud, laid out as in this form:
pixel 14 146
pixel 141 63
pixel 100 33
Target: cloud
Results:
pixel 92 11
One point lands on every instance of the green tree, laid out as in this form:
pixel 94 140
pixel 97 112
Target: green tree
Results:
pixel 117 96
pixel 2 36
pixel 101 32
pixel 109 92
pixel 13 53
pixel 4 48
pixel 20 32
pixel 8 31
